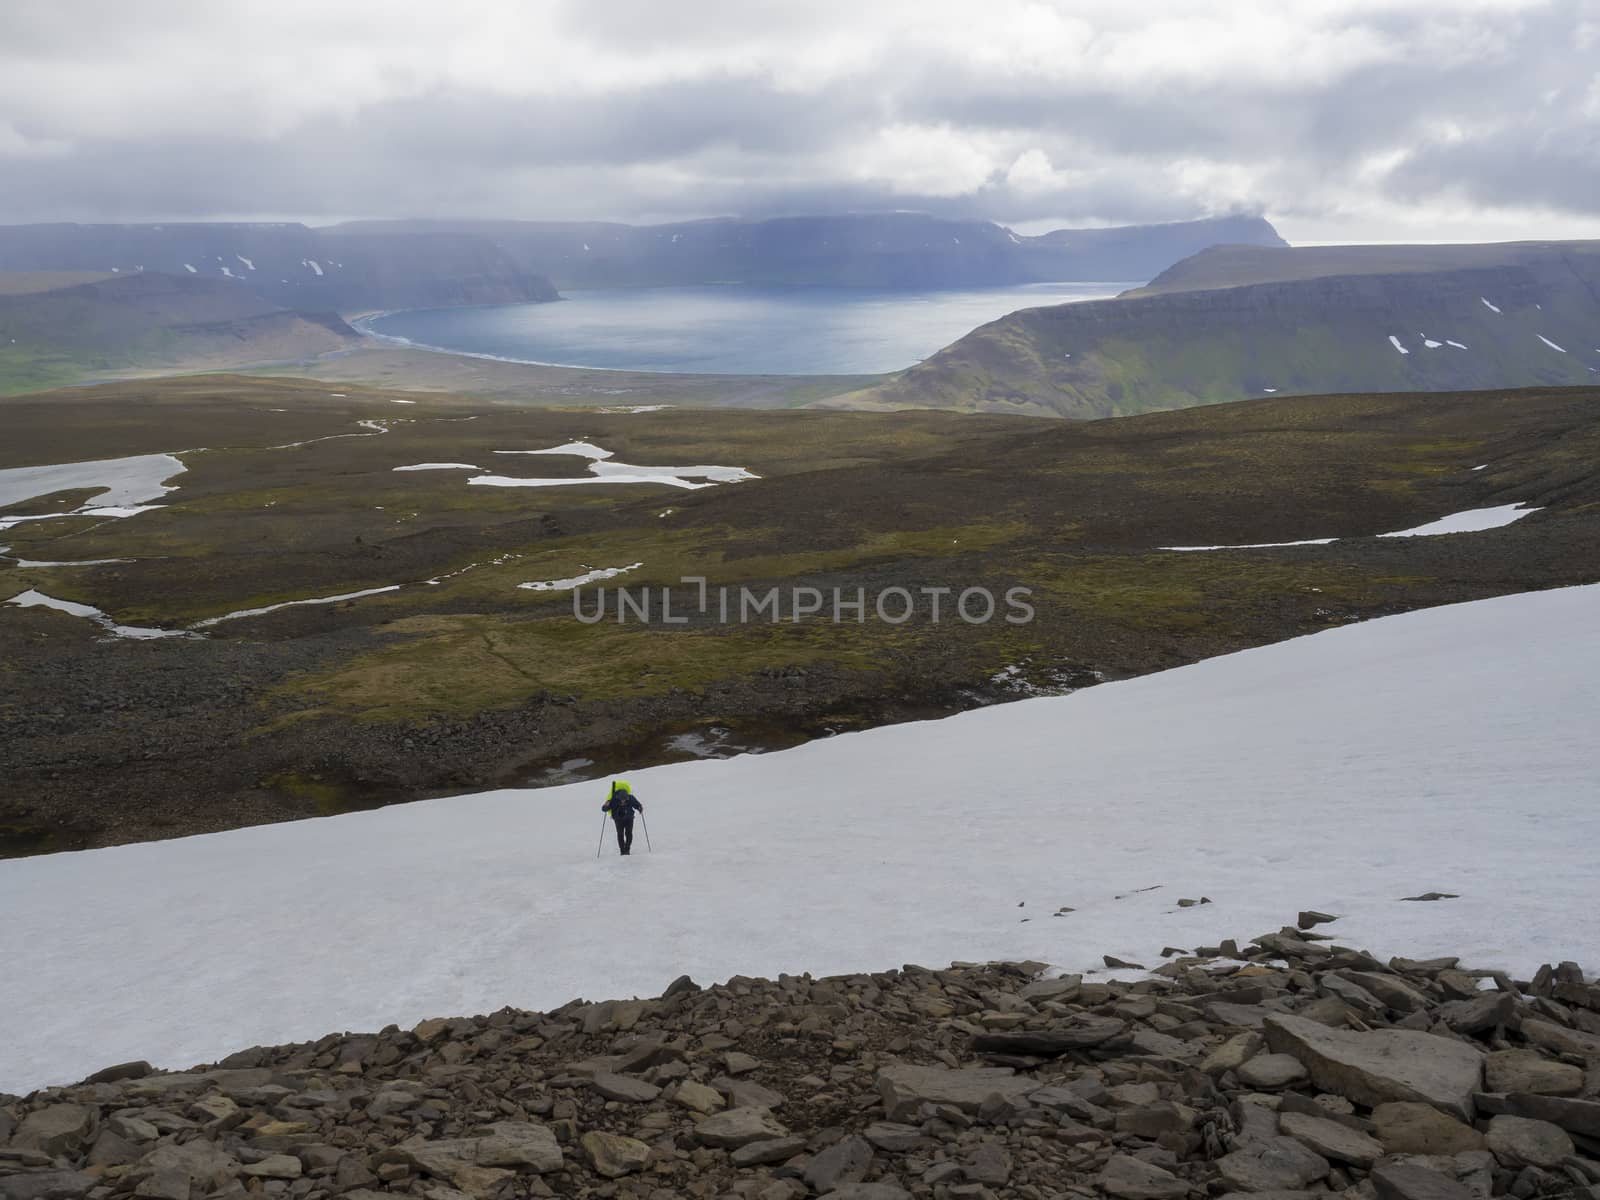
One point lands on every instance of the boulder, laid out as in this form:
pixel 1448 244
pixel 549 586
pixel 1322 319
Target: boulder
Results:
pixel 1129 1178
pixel 60 1129
pixel 612 1155
pixel 747 1093
pixel 47 1185
pixel 624 1088
pixel 1270 1072
pixel 205 1165
pixel 905 1088
pixel 520 1145
pixel 846 1161
pixel 777 1150
pixel 274 1166
pixel 698 1097
pixel 1275 1164
pixel 1233 1053
pixel 1561 1039
pixel 1393 991
pixel 1381 1065
pixel 1409 1181
pixel 739 1127
pixel 1480 1014
pixel 1523 1142
pixel 895 1138
pixel 1411 1127
pixel 1331 1139
pixel 1529 1071
pixel 1575 1116
pixel 1083 1034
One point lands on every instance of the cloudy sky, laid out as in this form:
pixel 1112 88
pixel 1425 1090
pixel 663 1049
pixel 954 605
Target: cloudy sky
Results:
pixel 1338 119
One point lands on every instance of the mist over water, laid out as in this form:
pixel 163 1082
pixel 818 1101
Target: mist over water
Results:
pixel 728 329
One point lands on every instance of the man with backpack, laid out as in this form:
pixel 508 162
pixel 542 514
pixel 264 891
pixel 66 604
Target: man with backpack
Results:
pixel 622 804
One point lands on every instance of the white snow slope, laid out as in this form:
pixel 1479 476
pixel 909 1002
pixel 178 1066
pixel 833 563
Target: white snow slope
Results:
pixel 1449 749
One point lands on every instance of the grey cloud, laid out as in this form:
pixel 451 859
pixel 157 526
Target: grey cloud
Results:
pixel 1477 106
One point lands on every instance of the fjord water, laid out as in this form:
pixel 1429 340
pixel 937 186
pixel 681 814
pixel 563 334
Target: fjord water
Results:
pixel 727 329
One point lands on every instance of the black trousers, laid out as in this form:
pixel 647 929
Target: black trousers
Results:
pixel 624 832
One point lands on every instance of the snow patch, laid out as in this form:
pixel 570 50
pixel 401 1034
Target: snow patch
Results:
pixel 256 612
pixel 1549 343
pixel 1473 520
pixel 249 264
pixel 33 599
pixel 189 267
pixel 1252 545
pixel 439 467
pixel 314 265
pixel 1395 342
pixel 577 581
pixel 128 483
pixel 1487 305
pixel 1457 345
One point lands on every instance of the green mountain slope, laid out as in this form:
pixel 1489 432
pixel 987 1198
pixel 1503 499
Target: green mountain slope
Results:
pixel 1530 320
pixel 149 322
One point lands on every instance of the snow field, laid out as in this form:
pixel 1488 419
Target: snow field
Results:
pixel 1449 749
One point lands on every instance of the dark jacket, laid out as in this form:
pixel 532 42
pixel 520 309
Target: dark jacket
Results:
pixel 622 806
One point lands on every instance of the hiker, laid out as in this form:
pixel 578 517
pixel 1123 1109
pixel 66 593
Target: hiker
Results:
pixel 622 804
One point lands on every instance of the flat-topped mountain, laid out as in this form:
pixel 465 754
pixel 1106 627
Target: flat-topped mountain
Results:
pixel 1236 322
pixel 857 250
pixel 291 265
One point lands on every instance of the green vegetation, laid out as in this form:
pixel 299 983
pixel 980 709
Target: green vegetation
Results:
pixel 460 679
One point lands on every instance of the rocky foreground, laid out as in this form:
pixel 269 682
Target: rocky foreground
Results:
pixel 1290 1067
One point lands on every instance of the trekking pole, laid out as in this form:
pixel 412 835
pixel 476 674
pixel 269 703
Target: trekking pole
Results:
pixel 646 825
pixel 602 844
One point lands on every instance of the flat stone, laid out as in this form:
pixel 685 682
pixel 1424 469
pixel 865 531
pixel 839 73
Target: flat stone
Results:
pixel 1561 1039
pixel 1381 1065
pixel 47 1185
pixel 1269 1072
pixel 906 1088
pixel 1575 1116
pixel 776 1150
pixel 613 1155
pixel 1062 987
pixel 274 1166
pixel 1233 1053
pixel 893 1137
pixel 207 1166
pixel 989 1164
pixel 1276 1164
pixel 1480 1014
pixel 1083 1034
pixel 739 1127
pixel 1395 992
pixel 1529 1071
pixel 521 1145
pixel 624 1087
pixel 1129 1178
pixel 1312 918
pixel 58 1130
pixel 846 1161
pixel 747 1093
pixel 1524 1142
pixel 739 1064
pixel 1412 1127
pixel 1331 1139
pixel 698 1097
pixel 1408 1181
